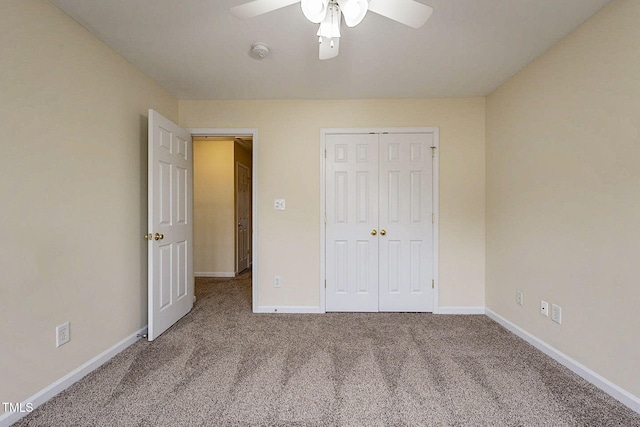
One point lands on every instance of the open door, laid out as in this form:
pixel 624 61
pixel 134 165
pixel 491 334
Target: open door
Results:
pixel 170 224
pixel 243 209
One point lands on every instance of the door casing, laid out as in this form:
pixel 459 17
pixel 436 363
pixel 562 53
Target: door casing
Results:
pixel 435 192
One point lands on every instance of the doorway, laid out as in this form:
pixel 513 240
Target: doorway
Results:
pixel 224 193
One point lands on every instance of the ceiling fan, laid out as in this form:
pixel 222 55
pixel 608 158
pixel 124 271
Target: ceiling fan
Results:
pixel 328 14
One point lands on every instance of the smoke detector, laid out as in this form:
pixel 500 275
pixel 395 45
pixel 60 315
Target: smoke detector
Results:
pixel 259 50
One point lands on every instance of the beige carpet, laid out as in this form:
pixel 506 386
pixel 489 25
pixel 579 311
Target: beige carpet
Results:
pixel 224 366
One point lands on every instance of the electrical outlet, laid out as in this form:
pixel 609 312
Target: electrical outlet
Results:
pixel 544 308
pixel 63 334
pixel 520 297
pixel 556 313
pixel 277 281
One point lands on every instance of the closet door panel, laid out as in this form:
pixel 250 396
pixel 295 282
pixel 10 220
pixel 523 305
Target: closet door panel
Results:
pixel 352 214
pixel 405 222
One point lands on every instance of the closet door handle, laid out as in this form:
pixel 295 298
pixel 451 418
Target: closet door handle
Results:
pixel 383 232
pixel 374 232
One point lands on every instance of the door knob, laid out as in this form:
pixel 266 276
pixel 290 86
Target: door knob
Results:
pixel 158 236
pixel 383 232
pixel 148 236
pixel 374 232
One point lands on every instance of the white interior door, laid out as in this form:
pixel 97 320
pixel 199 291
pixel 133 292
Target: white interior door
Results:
pixel 379 230
pixel 170 224
pixel 243 197
pixel 352 217
pixel 406 231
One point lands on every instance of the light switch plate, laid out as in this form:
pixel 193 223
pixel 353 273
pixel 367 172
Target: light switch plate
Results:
pixel 278 204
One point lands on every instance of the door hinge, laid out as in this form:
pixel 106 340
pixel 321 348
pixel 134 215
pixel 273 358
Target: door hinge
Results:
pixel 433 284
pixel 325 218
pixel 325 153
pixel 433 151
pixel 325 283
pixel 433 218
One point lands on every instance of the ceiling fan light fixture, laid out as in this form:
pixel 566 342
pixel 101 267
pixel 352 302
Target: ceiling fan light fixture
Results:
pixel 315 10
pixel 354 11
pixel 330 27
pixel 328 14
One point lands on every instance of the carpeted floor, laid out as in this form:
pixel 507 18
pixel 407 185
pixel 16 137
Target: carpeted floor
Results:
pixel 222 365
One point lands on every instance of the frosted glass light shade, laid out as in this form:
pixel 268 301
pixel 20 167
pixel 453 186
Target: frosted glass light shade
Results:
pixel 315 10
pixel 353 11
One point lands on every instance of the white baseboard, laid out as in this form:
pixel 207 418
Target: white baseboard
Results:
pixel 77 374
pixel 615 391
pixel 315 309
pixel 215 274
pixel 288 309
pixel 460 310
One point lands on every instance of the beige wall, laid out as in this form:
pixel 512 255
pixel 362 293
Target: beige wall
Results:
pixel 214 207
pixel 563 194
pixel 73 195
pixel 289 168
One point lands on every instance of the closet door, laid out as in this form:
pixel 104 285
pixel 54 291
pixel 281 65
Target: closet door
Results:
pixel 352 218
pixel 405 222
pixel 379 229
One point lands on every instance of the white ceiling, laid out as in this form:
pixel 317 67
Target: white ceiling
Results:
pixel 197 50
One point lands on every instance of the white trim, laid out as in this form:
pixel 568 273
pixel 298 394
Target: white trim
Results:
pixel 223 132
pixel 215 274
pixel 72 377
pixel 323 225
pixel 254 195
pixel 435 195
pixel 615 391
pixel 460 310
pixel 288 309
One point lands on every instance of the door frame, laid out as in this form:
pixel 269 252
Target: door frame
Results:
pixel 233 132
pixel 435 131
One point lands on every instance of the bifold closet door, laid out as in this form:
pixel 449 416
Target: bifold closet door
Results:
pixel 352 216
pixel 405 222
pixel 379 233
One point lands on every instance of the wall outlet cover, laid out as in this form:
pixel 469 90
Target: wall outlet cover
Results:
pixel 556 313
pixel 519 297
pixel 63 334
pixel 544 308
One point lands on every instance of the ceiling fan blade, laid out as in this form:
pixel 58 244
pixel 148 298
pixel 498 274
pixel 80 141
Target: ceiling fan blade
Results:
pixel 328 52
pixel 258 7
pixel 407 12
